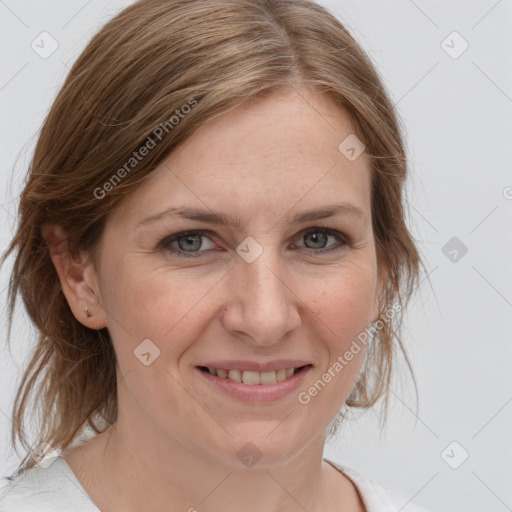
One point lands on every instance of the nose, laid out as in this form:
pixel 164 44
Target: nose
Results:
pixel 262 307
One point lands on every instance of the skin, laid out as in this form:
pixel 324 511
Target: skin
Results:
pixel 174 446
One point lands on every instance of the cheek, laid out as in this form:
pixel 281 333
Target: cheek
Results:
pixel 342 309
pixel 157 303
pixel 344 302
pixel 172 306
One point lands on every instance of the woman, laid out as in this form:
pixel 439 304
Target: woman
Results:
pixel 212 245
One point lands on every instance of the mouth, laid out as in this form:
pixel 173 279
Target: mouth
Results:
pixel 251 377
pixel 249 385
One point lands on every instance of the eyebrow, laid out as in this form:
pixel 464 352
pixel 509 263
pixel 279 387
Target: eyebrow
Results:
pixel 209 217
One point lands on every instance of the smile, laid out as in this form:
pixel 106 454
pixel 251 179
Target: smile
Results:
pixel 252 377
pixel 253 386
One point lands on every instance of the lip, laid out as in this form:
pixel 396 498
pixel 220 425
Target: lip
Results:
pixel 255 366
pixel 258 393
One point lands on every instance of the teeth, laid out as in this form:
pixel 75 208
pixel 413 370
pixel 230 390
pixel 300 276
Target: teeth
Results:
pixel 251 377
pixel 268 378
pixel 235 375
pixel 281 374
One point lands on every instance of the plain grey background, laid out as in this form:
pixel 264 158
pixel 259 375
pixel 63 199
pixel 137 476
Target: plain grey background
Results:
pixel 453 92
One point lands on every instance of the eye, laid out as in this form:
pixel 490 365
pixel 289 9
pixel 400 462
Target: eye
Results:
pixel 318 239
pixel 186 244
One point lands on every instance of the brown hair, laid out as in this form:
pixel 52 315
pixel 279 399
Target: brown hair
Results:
pixel 143 67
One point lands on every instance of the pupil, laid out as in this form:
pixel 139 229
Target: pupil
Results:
pixel 190 240
pixel 318 238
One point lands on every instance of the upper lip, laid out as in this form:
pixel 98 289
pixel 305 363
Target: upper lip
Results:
pixel 254 365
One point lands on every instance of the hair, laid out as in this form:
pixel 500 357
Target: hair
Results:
pixel 154 60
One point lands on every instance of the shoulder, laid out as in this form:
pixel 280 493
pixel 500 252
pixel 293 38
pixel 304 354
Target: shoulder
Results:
pixel 43 489
pixel 376 497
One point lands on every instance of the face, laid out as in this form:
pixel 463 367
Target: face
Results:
pixel 270 289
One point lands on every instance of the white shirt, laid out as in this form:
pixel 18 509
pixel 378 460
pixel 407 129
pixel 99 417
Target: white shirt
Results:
pixel 56 489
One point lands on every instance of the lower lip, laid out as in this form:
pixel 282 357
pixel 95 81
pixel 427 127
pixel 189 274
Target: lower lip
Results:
pixel 257 392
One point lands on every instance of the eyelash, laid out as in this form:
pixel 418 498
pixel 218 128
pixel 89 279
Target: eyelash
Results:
pixel 166 242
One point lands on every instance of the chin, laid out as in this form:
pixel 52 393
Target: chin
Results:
pixel 260 446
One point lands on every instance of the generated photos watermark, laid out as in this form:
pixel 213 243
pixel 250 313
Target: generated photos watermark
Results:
pixel 304 397
pixel 151 142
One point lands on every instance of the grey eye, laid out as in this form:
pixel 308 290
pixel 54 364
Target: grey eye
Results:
pixel 318 238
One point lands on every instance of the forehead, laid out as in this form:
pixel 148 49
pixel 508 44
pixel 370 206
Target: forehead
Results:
pixel 271 152
pixel 285 126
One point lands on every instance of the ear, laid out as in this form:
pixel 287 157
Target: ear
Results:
pixel 78 278
pixel 382 277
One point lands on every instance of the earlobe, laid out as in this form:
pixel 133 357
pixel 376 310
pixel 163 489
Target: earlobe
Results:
pixel 77 278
